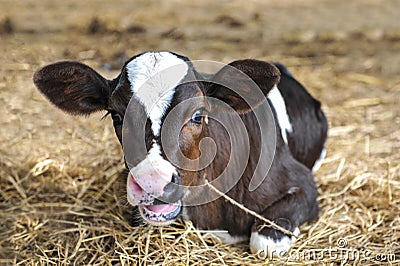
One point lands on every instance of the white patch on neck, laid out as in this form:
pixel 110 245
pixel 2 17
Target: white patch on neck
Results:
pixel 270 248
pixel 278 103
pixel 153 77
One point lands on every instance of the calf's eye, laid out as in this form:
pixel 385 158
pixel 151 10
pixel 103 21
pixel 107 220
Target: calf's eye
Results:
pixel 197 117
pixel 116 118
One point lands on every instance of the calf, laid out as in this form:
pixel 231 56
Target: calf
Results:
pixel 270 156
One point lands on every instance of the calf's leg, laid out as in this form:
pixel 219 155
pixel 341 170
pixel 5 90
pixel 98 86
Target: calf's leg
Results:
pixel 296 208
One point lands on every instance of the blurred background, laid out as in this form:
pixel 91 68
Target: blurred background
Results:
pixel 366 32
pixel 347 53
pixel 326 43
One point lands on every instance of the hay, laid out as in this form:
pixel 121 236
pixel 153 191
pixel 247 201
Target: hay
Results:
pixel 57 201
pixel 63 210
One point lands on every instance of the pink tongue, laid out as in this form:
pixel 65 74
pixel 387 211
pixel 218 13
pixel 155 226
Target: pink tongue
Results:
pixel 163 208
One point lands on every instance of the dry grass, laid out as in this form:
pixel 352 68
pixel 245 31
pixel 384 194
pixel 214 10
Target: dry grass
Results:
pixel 60 208
pixel 55 212
pixel 57 201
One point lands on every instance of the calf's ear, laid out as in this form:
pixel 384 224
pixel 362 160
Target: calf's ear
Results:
pixel 243 84
pixel 73 87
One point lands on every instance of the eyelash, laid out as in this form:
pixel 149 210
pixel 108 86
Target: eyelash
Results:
pixel 117 119
pixel 197 117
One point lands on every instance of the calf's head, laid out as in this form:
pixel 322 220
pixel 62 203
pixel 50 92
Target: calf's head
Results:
pixel 158 95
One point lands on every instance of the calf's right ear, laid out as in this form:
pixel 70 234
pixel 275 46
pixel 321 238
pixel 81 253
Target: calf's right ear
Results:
pixel 73 87
pixel 244 84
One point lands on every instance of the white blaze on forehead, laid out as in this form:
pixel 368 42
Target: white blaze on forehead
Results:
pixel 279 106
pixel 153 78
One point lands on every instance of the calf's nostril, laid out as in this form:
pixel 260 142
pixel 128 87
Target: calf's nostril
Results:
pixel 176 180
pixel 173 191
pixel 134 186
pixel 169 188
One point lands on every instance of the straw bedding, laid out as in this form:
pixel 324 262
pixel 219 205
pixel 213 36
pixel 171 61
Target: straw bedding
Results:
pixel 57 173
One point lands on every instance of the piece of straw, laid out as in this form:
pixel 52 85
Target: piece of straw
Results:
pixel 247 210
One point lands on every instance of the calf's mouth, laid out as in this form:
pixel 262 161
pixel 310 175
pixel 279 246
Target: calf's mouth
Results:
pixel 162 214
pixel 161 208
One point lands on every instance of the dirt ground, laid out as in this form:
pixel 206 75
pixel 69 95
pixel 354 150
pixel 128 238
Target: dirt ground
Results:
pixel 57 204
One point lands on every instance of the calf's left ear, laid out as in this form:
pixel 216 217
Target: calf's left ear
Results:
pixel 73 87
pixel 243 84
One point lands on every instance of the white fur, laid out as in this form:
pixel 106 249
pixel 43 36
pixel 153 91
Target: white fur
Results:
pixel 318 162
pixel 153 77
pixel 157 161
pixel 278 103
pixel 228 238
pixel 269 247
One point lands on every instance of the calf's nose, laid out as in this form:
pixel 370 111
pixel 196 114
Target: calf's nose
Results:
pixel 154 189
pixel 152 183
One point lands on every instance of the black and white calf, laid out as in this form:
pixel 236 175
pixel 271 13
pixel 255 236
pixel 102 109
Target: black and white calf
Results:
pixel 287 194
